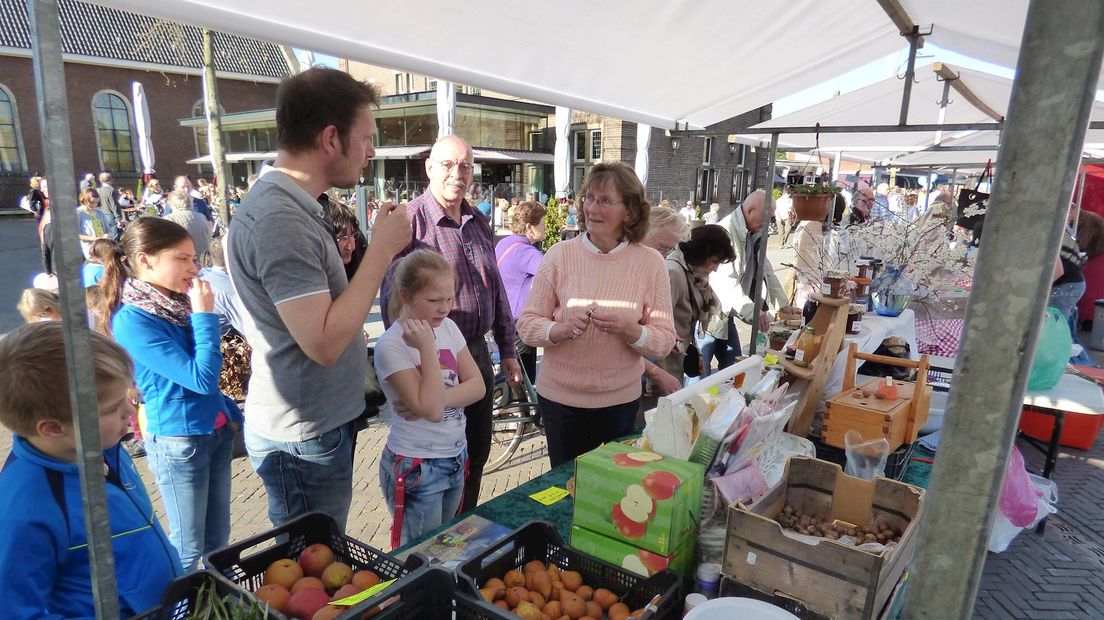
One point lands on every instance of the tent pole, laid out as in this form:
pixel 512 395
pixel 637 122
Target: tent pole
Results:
pixel 768 212
pixel 928 188
pixel 910 72
pixel 57 147
pixel 943 103
pixel 1051 99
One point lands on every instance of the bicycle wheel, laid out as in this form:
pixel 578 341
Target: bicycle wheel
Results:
pixel 508 427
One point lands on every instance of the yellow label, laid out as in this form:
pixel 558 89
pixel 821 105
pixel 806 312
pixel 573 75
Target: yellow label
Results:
pixel 549 496
pixel 349 601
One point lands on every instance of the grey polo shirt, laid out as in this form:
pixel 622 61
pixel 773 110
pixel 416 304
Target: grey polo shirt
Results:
pixel 278 249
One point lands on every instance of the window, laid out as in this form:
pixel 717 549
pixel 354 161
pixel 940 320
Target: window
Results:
pixel 431 84
pixel 11 151
pixel 398 84
pixel 580 146
pixel 741 155
pixel 706 188
pixel 739 189
pixel 111 115
pixel 707 151
pixel 596 145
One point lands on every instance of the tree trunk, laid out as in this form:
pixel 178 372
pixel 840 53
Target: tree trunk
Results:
pixel 214 130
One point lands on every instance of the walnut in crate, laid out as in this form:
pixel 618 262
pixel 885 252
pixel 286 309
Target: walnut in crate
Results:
pixel 811 525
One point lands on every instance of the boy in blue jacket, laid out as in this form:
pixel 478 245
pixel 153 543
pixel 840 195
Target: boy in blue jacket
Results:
pixel 44 564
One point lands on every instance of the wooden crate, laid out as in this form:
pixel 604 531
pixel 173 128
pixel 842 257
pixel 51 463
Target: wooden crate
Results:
pixel 897 420
pixel 830 578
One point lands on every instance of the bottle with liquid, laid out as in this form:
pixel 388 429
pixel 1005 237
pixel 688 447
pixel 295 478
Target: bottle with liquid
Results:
pixel 806 347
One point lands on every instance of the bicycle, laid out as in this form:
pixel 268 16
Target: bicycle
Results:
pixel 512 419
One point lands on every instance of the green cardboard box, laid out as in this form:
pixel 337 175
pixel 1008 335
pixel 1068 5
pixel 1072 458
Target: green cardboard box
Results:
pixel 633 559
pixel 647 500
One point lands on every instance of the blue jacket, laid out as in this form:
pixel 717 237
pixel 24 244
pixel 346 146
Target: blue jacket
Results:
pixel 44 569
pixel 176 369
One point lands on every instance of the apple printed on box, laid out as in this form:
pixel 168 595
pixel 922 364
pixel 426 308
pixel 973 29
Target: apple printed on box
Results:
pixel 623 554
pixel 645 499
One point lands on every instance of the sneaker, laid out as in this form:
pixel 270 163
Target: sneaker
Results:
pixel 134 447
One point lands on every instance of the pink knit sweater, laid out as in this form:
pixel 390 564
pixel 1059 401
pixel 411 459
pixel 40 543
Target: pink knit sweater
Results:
pixel 597 369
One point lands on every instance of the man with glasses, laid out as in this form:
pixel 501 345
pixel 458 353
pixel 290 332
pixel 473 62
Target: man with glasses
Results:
pixel 444 221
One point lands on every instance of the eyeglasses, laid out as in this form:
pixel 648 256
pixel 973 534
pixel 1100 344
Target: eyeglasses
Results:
pixel 604 202
pixel 465 167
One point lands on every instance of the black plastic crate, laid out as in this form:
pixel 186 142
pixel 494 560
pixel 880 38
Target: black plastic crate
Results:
pixel 540 541
pixel 431 594
pixel 245 570
pixel 179 601
pixel 896 464
pixel 730 587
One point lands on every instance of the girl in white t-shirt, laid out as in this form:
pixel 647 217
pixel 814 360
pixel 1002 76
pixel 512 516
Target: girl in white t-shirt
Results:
pixel 428 376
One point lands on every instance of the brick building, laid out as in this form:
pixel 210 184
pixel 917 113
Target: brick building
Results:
pixel 105 51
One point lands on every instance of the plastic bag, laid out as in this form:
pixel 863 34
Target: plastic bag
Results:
pixel 865 459
pixel 1003 532
pixel 1052 353
pixel 1018 500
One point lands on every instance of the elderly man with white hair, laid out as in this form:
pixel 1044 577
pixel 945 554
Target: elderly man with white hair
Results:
pixel 733 284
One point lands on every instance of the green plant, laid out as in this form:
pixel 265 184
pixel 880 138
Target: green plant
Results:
pixel 777 193
pixel 814 190
pixel 554 222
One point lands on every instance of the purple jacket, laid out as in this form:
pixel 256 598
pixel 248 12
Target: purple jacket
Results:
pixel 518 260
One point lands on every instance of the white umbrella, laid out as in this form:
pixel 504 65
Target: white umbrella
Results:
pixel 446 108
pixel 643 141
pixel 142 123
pixel 562 169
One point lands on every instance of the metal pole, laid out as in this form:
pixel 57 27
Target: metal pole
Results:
pixel 53 114
pixel 943 110
pixel 1057 73
pixel 928 193
pixel 910 72
pixel 768 212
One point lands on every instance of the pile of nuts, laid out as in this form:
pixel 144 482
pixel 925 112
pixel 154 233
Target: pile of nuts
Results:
pixel 809 525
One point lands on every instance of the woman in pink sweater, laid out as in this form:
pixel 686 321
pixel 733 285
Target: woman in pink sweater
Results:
pixel 599 303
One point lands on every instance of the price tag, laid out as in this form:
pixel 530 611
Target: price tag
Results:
pixel 349 601
pixel 825 289
pixel 549 496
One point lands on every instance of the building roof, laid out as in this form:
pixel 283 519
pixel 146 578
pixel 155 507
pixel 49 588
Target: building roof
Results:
pixel 100 32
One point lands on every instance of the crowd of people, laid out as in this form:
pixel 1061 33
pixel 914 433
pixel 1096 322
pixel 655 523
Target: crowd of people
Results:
pixel 629 309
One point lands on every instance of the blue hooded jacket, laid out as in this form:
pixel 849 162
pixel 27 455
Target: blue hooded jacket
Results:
pixel 176 369
pixel 44 569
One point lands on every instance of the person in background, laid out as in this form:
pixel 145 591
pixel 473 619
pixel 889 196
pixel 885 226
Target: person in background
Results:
pixel 1069 288
pixel 689 212
pixel 1090 238
pixel 485 207
pixel 128 205
pixel 599 304
pixel 783 212
pixel 37 304
pixel 40 487
pixel 45 227
pixel 880 209
pixel 666 229
pixel 347 235
pixel 227 305
pixel 429 377
pixel 109 205
pixel 102 252
pixel 89 181
pixel 443 220
pixel 196 225
pixel 36 198
pixel 183 185
pixel 519 258
pixel 693 301
pixel 91 221
pixel 713 215
pixel 165 320
pixel 819 247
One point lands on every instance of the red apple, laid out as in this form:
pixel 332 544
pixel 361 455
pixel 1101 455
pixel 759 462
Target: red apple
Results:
pixel 305 603
pixel 627 527
pixel 315 558
pixel 653 561
pixel 661 485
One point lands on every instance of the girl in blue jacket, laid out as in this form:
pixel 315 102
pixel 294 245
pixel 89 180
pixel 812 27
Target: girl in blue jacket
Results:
pixel 163 315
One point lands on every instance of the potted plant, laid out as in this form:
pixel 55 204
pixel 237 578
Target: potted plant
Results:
pixel 812 202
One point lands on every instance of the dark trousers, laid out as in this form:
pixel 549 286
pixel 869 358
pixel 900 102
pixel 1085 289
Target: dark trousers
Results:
pixel 478 429
pixel 574 431
pixel 527 357
pixel 47 247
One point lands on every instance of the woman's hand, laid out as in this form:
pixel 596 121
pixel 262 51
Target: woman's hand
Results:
pixel 203 299
pixel 569 330
pixel 417 334
pixel 610 321
pixel 664 382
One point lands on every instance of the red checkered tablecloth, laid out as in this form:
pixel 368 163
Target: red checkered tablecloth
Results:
pixel 938 337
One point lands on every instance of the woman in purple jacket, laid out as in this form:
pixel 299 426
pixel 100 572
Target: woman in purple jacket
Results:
pixel 518 259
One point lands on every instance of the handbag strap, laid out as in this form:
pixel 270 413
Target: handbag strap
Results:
pixel 516 245
pixel 988 172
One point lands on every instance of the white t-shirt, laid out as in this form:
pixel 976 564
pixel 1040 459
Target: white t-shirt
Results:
pixel 782 207
pixel 421 438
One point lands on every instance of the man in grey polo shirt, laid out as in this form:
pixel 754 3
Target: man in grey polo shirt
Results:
pixel 306 317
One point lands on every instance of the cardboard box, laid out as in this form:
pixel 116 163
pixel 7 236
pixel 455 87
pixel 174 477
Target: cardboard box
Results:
pixel 830 578
pixel 640 561
pixel 639 497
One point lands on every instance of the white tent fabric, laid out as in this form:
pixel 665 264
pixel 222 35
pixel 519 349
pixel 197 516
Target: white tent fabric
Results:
pixel 142 125
pixel 446 108
pixel 561 170
pixel 643 142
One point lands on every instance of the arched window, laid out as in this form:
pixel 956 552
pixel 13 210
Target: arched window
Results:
pixel 11 144
pixel 111 113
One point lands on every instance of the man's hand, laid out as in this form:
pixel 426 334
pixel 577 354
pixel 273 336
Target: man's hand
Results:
pixel 512 370
pixel 391 232
pixel 764 321
pixel 665 383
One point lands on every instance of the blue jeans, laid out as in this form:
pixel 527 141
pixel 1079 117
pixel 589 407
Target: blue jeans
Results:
pixel 193 473
pixel 434 489
pixel 725 351
pixel 302 476
pixel 1064 297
